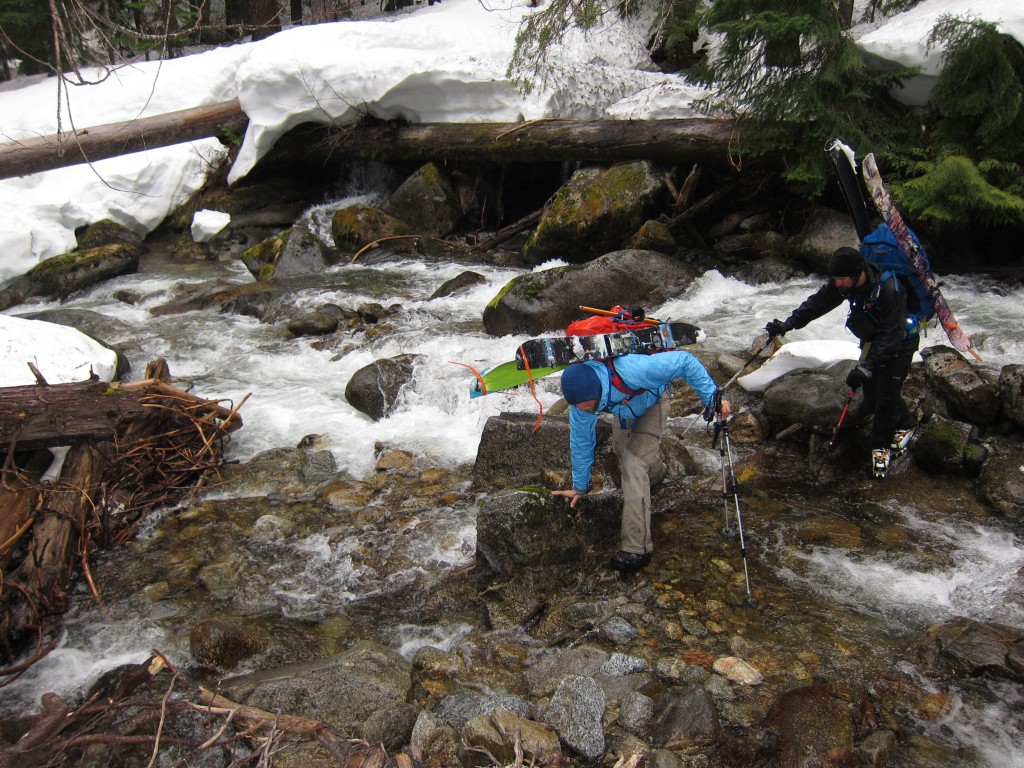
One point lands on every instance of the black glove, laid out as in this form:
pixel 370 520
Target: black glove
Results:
pixel 856 377
pixel 714 406
pixel 778 327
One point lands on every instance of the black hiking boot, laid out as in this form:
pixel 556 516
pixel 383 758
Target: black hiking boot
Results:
pixel 630 562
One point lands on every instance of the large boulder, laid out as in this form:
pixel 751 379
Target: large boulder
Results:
pixel 1001 483
pixel 374 389
pixel 426 201
pixel 596 211
pixel 61 276
pixel 539 302
pixel 1011 392
pixel 360 225
pixel 969 395
pixel 825 230
pixel 942 444
pixel 813 398
pixel 294 252
pixel 531 545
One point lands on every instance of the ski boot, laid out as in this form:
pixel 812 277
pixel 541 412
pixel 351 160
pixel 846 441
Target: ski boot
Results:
pixel 901 439
pixel 879 462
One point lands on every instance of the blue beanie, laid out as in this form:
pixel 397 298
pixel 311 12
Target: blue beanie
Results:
pixel 580 383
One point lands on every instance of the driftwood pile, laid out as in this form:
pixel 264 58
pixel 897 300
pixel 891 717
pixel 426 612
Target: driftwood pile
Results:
pixel 127 448
pixel 150 710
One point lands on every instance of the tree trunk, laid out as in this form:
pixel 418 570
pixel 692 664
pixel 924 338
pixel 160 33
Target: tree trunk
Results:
pixel 296 11
pixel 20 158
pixel 264 18
pixel 691 140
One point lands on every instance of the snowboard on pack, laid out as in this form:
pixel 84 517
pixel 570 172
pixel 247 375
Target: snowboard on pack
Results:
pixel 910 249
pixel 506 376
pixel 559 351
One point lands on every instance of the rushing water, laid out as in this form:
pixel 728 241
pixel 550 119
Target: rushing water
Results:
pixel 294 389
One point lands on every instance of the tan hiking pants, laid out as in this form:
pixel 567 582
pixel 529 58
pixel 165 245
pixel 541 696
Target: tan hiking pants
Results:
pixel 638 447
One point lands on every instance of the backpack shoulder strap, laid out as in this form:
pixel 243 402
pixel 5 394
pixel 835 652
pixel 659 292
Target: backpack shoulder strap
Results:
pixel 619 384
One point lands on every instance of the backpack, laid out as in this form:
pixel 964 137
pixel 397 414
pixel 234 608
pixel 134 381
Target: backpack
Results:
pixel 880 248
pixel 622 320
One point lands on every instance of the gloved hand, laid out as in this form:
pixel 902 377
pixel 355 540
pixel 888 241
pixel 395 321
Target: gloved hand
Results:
pixel 714 406
pixel 856 377
pixel 778 327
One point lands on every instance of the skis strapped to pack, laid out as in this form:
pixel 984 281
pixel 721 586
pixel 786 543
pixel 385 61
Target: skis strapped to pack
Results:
pixel 881 248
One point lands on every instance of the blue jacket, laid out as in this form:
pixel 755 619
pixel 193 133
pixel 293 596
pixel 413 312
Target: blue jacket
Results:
pixel 650 372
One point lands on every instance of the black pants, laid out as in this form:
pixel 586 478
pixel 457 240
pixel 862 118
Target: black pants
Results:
pixel 883 394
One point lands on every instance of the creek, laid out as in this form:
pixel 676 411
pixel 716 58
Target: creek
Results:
pixel 930 554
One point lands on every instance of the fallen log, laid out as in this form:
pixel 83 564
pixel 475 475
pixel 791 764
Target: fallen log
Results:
pixel 225 121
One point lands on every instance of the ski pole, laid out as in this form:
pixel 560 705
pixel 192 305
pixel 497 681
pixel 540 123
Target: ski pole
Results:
pixel 835 431
pixel 721 426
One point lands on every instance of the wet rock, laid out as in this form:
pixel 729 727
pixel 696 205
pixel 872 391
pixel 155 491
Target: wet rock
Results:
pixel 426 201
pixel 359 225
pixel 344 690
pixel 684 718
pixel 576 712
pixel 460 707
pixel 962 647
pixel 830 531
pixel 549 300
pixel 969 396
pixel 435 674
pixel 596 211
pixel 636 711
pixel 512 453
pixel 390 726
pixel 253 299
pixel 941 444
pixel 531 545
pixel 619 664
pixel 436 741
pixel 504 735
pixel 319 322
pixel 224 645
pixel 770 269
pixel 284 470
pixel 751 246
pixel 738 671
pixel 812 398
pixel 458 284
pixel 374 389
pixel 1001 482
pixel 106 232
pixel 61 276
pixel 293 253
pixel 545 674
pixel 810 722
pixel 1011 391
pixel 878 748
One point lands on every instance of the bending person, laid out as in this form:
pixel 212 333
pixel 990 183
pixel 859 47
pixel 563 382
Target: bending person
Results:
pixel 634 389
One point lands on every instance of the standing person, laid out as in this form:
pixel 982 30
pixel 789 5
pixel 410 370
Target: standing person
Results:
pixel 878 317
pixel 634 389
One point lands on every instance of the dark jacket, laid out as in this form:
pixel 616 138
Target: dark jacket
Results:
pixel 878 314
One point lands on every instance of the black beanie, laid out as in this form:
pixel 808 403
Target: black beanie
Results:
pixel 846 262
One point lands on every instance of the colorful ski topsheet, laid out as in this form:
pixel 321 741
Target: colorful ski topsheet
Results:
pixel 562 350
pixel 845 165
pixel 879 193
pixel 506 376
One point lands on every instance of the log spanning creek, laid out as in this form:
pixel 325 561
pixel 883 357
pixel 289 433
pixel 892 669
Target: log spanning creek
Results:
pixel 848 576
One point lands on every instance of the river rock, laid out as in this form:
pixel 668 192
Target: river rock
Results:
pixel 544 675
pixel 825 230
pixel 540 302
pixel 737 670
pixel 653 235
pixel 343 690
pixel 968 395
pixel 426 201
pixel 813 398
pixel 436 741
pixel 831 531
pixel 576 712
pixel 810 722
pixel 374 389
pixel 460 707
pixel 596 211
pixel 963 648
pixel 685 717
pixel 359 225
pixel 941 444
pixel 318 322
pixel 458 284
pixel 1001 483
pixel 61 276
pixel 531 545
pixel 1011 391
pixel 504 735
pixel 107 232
pixel 293 253
pixel 224 645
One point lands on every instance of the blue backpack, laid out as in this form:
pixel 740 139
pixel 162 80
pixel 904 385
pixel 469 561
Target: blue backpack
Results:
pixel 880 247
